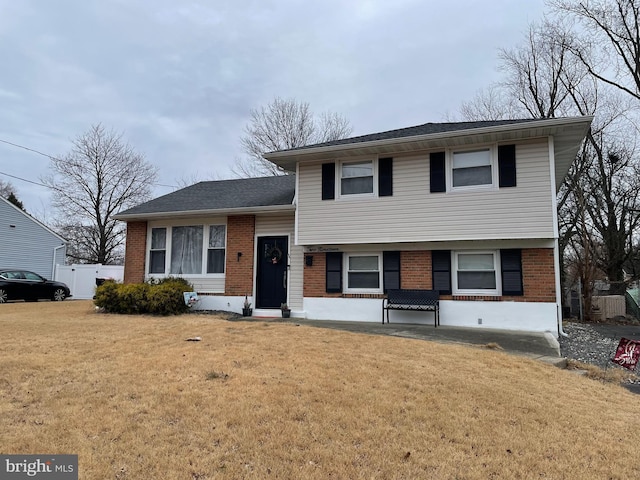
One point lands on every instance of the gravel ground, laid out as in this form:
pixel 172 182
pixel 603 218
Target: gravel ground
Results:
pixel 595 343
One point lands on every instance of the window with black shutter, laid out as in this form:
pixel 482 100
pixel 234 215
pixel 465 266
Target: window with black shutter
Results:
pixel 334 272
pixel 507 165
pixel 511 265
pixel 437 175
pixel 328 181
pixel 441 271
pixel 385 177
pixel 391 270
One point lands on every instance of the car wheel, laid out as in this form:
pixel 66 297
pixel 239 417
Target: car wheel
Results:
pixel 4 296
pixel 59 295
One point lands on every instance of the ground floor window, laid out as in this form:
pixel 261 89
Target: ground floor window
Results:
pixel 187 250
pixel 475 273
pixel 363 273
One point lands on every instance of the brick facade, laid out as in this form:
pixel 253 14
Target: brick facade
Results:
pixel 415 272
pixel 135 252
pixel 415 269
pixel 241 231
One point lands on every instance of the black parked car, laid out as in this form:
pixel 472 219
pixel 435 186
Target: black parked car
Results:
pixel 29 286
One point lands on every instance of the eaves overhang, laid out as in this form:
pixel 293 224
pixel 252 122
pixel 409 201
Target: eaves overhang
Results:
pixel 207 212
pixel 568 134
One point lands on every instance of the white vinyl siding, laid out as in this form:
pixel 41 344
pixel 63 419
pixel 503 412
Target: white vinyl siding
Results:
pixel 413 214
pixel 283 224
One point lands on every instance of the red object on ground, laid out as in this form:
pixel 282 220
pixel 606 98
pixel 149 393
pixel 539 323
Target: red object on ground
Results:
pixel 627 354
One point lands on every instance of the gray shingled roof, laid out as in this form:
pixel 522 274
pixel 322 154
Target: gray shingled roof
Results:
pixel 425 129
pixel 245 193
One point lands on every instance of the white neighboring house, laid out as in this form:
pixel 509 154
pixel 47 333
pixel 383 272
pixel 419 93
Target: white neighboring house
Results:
pixel 28 244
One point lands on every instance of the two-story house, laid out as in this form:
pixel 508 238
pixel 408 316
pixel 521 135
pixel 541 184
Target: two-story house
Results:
pixel 468 209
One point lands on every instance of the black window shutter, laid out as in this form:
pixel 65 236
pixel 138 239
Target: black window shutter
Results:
pixel 391 270
pixel 385 177
pixel 328 181
pixel 441 271
pixel 437 172
pixel 511 264
pixel 507 165
pixel 334 272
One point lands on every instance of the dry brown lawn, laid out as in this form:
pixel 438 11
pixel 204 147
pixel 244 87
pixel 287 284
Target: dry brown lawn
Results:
pixel 261 400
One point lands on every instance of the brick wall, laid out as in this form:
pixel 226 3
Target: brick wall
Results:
pixel 537 271
pixel 241 231
pixel 538 275
pixel 415 269
pixel 135 252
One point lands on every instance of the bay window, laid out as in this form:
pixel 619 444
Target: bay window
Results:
pixel 187 250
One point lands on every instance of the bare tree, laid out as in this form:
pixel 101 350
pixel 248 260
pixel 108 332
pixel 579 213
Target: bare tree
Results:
pixel 281 125
pixel 608 40
pixel 99 177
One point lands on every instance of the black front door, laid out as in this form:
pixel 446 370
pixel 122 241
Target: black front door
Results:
pixel 271 284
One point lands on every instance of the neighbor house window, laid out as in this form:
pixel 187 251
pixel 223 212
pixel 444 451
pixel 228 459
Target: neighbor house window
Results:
pixel 158 254
pixel 215 252
pixel 471 168
pixel 186 250
pixel 363 273
pixel 356 178
pixel 476 273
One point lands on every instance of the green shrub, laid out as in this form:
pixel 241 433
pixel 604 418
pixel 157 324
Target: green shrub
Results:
pixel 162 297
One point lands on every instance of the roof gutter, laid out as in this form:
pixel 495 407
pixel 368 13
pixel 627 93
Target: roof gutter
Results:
pixel 550 122
pixel 199 213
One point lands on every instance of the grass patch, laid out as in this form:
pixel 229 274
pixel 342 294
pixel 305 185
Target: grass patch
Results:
pixel 613 374
pixel 130 397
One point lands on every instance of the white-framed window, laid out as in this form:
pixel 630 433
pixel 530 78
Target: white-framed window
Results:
pixel 216 250
pixel 158 252
pixel 357 178
pixel 187 250
pixel 363 273
pixel 472 168
pixel 476 273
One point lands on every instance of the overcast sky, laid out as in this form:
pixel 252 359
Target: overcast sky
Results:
pixel 179 78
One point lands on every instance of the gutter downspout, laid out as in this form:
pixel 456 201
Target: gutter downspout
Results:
pixel 53 262
pixel 556 236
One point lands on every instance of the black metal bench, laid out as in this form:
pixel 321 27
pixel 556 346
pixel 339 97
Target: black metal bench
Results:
pixel 420 300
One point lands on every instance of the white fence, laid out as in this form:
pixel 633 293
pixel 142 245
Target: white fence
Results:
pixel 607 306
pixel 81 279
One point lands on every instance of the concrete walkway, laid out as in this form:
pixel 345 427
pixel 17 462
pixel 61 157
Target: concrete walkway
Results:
pixel 538 346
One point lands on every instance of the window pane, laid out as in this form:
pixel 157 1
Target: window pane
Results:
pixel 364 169
pixel 363 263
pixel 351 186
pixel 158 238
pixel 186 250
pixel 364 280
pixel 477 158
pixel 476 261
pixel 157 261
pixel 477 280
pixel 215 261
pixel 216 236
pixel 464 177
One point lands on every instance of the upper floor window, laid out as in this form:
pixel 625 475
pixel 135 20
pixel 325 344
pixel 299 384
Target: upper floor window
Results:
pixel 356 178
pixel 471 168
